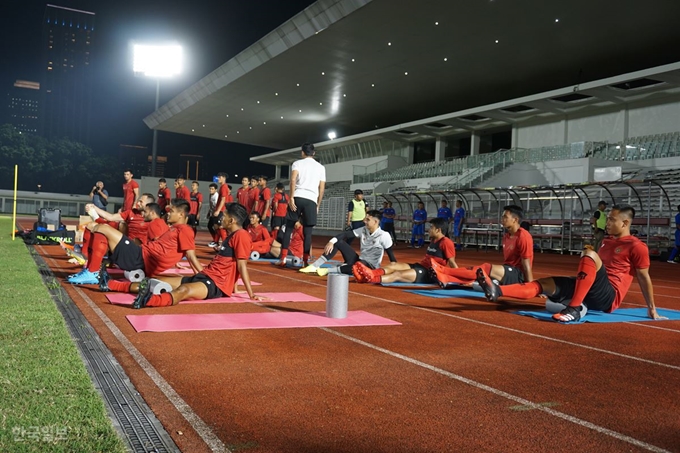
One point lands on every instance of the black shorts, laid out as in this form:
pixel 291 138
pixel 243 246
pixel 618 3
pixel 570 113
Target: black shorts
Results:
pixel 265 222
pixel 600 297
pixel 306 212
pixel 213 291
pixel 422 274
pixel 278 222
pixel 128 255
pixel 511 275
pixel 193 220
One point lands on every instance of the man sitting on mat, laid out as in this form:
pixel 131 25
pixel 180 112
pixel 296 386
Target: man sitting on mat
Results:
pixel 217 279
pixel 441 250
pixel 602 279
pixel 518 256
pixel 154 216
pixel 262 241
pixel 153 258
pixel 296 245
pixel 374 243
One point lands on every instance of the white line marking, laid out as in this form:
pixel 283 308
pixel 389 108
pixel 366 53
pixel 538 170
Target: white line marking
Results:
pixel 495 391
pixel 510 329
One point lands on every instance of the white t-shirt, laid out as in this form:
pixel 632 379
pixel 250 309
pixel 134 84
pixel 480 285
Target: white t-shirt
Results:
pixel 310 174
pixel 373 245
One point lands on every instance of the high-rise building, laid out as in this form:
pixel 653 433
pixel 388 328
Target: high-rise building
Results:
pixel 191 166
pixel 23 102
pixel 67 81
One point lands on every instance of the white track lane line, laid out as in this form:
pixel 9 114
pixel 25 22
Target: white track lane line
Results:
pixel 480 386
pixel 198 425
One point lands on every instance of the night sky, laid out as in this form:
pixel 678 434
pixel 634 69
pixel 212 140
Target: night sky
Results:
pixel 211 32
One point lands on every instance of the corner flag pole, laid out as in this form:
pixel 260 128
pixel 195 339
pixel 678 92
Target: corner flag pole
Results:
pixel 14 211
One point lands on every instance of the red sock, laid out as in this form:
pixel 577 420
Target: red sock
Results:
pixel 585 277
pixel 120 286
pixel 223 234
pixel 160 300
pixel 522 290
pixel 284 254
pixel 100 245
pixel 379 271
pixel 86 243
pixel 305 257
pixel 465 274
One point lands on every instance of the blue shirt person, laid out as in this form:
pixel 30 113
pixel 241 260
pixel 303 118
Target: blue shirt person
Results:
pixel 674 252
pixel 419 219
pixel 458 218
pixel 99 195
pixel 387 221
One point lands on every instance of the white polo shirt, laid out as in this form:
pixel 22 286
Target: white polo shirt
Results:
pixel 310 174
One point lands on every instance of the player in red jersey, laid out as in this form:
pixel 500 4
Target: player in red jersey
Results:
pixel 217 279
pixel 441 250
pixel 130 191
pixel 181 191
pixel 518 256
pixel 195 205
pixel 264 200
pixel 164 196
pixel 253 193
pixel 153 215
pixel 259 235
pixel 242 195
pixel 279 208
pixel 602 279
pixel 223 198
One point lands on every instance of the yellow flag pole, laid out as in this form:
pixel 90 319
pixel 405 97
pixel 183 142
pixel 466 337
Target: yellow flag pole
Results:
pixel 14 211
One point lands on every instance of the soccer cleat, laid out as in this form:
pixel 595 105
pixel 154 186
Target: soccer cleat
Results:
pixel 437 274
pixel 491 290
pixel 358 275
pixel 311 269
pixel 85 278
pixel 143 295
pixel 322 271
pixel 366 273
pixel 569 314
pixel 103 278
pixel 212 244
pixel 72 276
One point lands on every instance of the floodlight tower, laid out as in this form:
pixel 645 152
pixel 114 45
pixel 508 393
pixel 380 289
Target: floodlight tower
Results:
pixel 157 61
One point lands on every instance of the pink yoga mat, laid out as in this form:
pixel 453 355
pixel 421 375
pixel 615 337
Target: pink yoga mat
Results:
pixel 126 299
pixel 238 321
pixel 115 272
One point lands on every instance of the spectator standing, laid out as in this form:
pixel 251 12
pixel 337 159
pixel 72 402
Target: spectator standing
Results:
pixel 99 195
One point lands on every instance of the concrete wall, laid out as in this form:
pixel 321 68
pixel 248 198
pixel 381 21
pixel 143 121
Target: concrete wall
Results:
pixel 344 171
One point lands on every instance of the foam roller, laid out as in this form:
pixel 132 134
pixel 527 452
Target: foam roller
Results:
pixel 134 276
pixel 254 255
pixel 294 261
pixel 336 296
pixel 159 286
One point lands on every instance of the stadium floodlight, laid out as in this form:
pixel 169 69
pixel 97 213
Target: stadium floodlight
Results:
pixel 332 135
pixel 156 61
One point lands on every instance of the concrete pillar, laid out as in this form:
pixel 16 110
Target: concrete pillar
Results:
pixel 277 172
pixel 474 144
pixel 515 134
pixel 439 150
pixel 411 153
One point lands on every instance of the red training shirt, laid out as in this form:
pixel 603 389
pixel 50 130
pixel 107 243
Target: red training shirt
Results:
pixel 194 199
pixel 163 198
pixel 223 192
pixel 166 251
pixel 242 196
pixel 621 258
pixel 184 193
pixel 518 247
pixel 281 202
pixel 223 268
pixel 129 194
pixel 253 195
pixel 137 227
pixel 297 242
pixel 440 252
pixel 265 195
pixel 258 233
pixel 156 229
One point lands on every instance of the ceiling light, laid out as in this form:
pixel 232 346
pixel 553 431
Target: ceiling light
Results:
pixel 264 122
pixel 320 103
pixel 204 125
pixel 557 20
pixel 251 127
pixel 258 102
pixel 276 94
pixel 436 23
pixel 192 130
pixel 238 132
pixel 332 135
pixel 373 84
pixel 323 73
pixel 406 73
pixel 496 41
pixel 225 136
pixel 352 60
pixel 241 108
pixel 227 116
pixel 298 84
pixel 389 43
pixel 300 111
pixel 281 117
pixel 344 95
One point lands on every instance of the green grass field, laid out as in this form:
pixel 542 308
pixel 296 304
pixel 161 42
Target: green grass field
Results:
pixel 47 401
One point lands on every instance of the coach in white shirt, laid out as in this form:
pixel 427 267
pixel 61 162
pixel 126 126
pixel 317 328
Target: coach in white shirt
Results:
pixel 307 184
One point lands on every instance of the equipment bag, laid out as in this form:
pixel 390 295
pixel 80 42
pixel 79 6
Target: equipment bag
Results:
pixel 49 216
pixel 35 237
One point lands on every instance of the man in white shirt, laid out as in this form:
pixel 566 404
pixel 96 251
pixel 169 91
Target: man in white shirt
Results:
pixel 307 184
pixel 374 244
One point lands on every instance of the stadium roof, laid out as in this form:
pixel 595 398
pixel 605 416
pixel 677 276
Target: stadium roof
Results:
pixel 354 66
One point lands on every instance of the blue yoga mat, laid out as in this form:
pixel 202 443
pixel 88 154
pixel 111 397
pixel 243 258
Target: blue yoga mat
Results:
pixel 621 315
pixel 410 285
pixel 446 293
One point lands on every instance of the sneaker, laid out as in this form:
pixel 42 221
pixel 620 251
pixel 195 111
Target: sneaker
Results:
pixel 671 261
pixel 569 314
pixel 143 295
pixel 85 278
pixel 491 290
pixel 311 269
pixel 103 278
pixel 322 271
pixel 212 244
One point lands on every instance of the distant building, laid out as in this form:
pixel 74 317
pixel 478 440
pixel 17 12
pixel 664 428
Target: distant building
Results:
pixel 23 102
pixel 138 159
pixel 67 77
pixel 191 166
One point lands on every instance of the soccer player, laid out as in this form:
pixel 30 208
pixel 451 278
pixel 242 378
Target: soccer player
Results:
pixel 182 191
pixel 264 200
pixel 242 196
pixel 387 222
pixel 444 212
pixel 259 235
pixel 419 219
pixel 195 203
pixel 674 252
pixel 223 194
pixel 253 193
pixel 458 219
pixel 153 215
pixel 217 279
pixel 374 244
pixel 602 279
pixel 307 184
pixel 440 250
pixel 164 196
pixel 518 256
pixel 279 208
pixel 130 191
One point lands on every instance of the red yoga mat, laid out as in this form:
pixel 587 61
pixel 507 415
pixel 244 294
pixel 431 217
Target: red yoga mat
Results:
pixel 240 321
pixel 126 298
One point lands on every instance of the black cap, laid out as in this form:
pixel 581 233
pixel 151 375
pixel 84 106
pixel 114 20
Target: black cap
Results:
pixel 602 202
pixel 358 192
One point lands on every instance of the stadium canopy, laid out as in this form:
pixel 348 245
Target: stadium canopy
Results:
pixel 357 66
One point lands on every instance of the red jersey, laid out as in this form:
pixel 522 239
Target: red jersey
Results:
pixel 156 229
pixel 223 268
pixel 258 233
pixel 163 198
pixel 265 195
pixel 253 195
pixel 223 193
pixel 621 258
pixel 242 195
pixel 440 252
pixel 518 247
pixel 166 251
pixel 137 227
pixel 129 194
pixel 297 242
pixel 183 193
pixel 194 199
pixel 280 200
